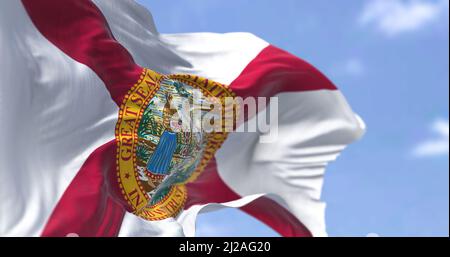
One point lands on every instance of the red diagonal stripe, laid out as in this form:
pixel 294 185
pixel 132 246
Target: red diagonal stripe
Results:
pixel 210 188
pixel 80 30
pixel 275 71
pixel 87 207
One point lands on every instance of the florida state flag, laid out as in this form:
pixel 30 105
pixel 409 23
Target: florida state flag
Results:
pixel 102 121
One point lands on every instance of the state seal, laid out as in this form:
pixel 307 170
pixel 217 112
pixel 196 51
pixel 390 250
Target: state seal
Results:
pixel 161 144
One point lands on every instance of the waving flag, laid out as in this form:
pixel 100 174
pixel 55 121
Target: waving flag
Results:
pixel 87 148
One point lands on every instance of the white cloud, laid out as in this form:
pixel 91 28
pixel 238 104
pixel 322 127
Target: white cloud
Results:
pixel 438 145
pixel 393 17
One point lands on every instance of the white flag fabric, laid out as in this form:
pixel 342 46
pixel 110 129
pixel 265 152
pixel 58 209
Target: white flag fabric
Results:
pixel 58 116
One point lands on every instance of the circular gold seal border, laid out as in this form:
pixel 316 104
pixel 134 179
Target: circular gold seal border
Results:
pixel 130 114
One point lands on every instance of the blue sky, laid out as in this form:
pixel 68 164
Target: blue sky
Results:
pixel 390 59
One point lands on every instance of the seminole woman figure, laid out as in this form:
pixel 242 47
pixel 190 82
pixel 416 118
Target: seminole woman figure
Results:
pixel 159 162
